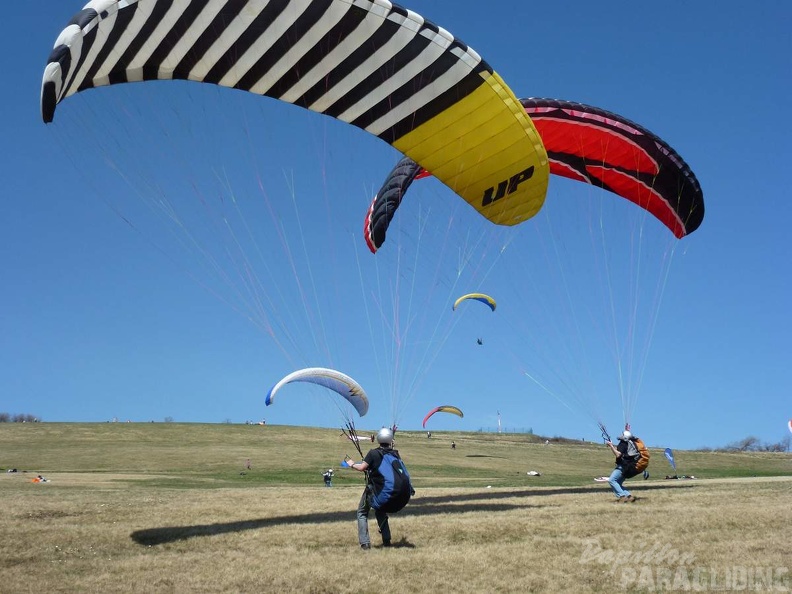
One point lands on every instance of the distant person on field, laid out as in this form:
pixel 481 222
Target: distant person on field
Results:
pixel 453 445
pixel 328 477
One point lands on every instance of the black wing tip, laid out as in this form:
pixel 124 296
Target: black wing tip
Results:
pixel 48 101
pixel 695 219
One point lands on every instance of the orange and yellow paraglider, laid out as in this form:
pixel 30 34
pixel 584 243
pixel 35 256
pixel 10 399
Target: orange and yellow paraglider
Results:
pixel 445 408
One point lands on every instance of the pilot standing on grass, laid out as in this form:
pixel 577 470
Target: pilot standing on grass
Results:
pixel 375 491
pixel 624 468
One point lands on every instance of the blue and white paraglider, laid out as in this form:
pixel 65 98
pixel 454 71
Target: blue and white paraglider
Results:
pixel 339 382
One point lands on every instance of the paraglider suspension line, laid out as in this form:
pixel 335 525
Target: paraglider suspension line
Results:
pixel 349 431
pixel 605 437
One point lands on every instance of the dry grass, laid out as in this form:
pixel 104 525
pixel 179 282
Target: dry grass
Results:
pixel 127 530
pixel 66 538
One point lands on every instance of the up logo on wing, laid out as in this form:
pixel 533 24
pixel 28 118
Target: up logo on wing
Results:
pixel 505 187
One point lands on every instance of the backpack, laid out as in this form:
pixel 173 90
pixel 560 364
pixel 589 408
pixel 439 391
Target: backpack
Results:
pixel 639 453
pixel 396 489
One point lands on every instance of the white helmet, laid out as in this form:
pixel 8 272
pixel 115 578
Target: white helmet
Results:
pixel 385 436
pixel 625 436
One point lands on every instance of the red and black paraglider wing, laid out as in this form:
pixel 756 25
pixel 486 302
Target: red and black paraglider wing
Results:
pixel 604 149
pixel 590 145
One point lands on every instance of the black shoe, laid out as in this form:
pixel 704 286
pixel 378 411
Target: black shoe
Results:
pixel 386 543
pixel 365 547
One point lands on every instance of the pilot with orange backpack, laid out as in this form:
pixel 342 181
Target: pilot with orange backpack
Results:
pixel 632 458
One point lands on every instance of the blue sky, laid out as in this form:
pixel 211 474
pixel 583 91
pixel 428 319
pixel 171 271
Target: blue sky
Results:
pixel 109 310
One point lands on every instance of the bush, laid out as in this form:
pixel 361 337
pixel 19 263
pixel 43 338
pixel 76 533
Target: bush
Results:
pixel 752 444
pixel 18 418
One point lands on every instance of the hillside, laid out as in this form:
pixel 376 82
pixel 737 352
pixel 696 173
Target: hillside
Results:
pixel 215 455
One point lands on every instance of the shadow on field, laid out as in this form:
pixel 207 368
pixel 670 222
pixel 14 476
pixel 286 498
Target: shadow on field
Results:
pixel 485 501
pixel 166 534
pixel 402 543
pixel 493 495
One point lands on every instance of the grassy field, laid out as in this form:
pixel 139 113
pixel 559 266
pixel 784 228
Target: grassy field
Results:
pixel 173 508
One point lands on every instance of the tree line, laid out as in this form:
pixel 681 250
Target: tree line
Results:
pixel 18 418
pixel 754 444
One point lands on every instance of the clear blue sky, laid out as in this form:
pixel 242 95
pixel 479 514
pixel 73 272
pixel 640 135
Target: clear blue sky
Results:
pixel 107 311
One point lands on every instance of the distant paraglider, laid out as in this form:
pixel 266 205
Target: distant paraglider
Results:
pixel 445 408
pixel 485 299
pixel 339 382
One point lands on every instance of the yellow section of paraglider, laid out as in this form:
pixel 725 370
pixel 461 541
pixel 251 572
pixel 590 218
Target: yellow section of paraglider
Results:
pixel 485 299
pixel 486 149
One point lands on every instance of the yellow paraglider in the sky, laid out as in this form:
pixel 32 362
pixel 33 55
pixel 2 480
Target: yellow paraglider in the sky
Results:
pixel 485 299
pixel 445 408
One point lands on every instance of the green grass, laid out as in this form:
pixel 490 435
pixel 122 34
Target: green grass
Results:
pixel 214 456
